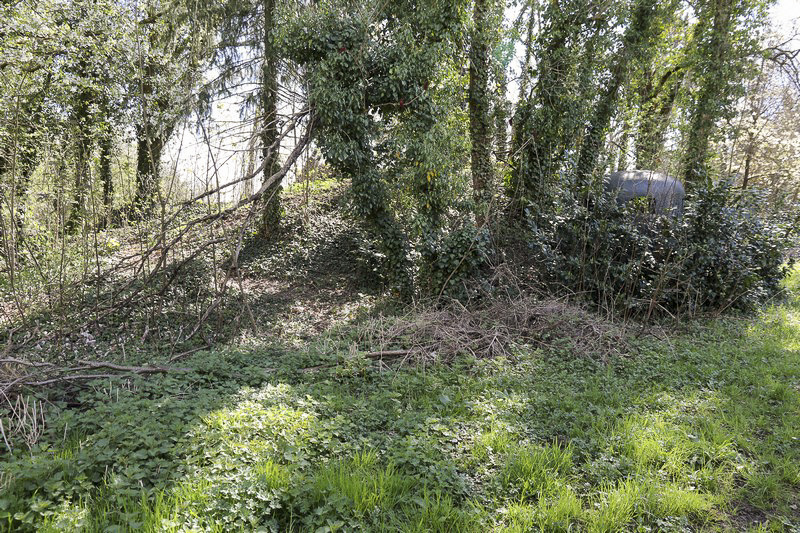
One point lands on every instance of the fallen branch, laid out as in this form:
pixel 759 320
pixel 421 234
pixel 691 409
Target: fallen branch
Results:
pixel 387 353
pixel 50 374
pixel 134 369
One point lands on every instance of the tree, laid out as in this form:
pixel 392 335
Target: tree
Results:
pixel 547 119
pixel 726 38
pixel 656 88
pixel 369 69
pixel 173 43
pixel 271 212
pixel 764 147
pixel 480 122
pixel 636 42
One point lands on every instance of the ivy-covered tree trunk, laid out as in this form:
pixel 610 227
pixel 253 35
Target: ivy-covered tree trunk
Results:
pixel 480 120
pixel 83 141
pixel 148 163
pixel 714 57
pixel 635 40
pixel 149 143
pixel 160 107
pixel 654 119
pixel 521 114
pixel 271 211
pixel 19 151
pixel 502 110
pixel 544 123
pixel 106 145
pixel 525 75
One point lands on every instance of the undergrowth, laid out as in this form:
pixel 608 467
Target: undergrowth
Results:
pixel 694 432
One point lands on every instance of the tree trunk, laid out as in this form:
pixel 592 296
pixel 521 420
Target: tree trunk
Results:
pixel 501 113
pixel 525 75
pixel 479 107
pixel 654 123
pixel 271 213
pixel 83 152
pixel 543 124
pixel 148 163
pixel 707 108
pixel 19 158
pixel 250 161
pixel 747 160
pixel 636 37
pixel 106 145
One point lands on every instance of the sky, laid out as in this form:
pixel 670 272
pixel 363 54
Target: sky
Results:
pixel 785 12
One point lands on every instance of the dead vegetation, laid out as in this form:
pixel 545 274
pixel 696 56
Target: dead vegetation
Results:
pixel 492 329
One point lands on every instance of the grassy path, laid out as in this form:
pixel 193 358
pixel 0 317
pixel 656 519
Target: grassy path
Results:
pixel 700 432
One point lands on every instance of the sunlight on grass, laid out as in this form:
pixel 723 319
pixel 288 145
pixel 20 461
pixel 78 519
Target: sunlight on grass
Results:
pixel 496 440
pixel 364 483
pixel 273 474
pixel 700 433
pixel 560 511
pixel 536 469
pixel 677 445
pixel 672 500
pixel 614 507
pixel 262 424
pixel 436 513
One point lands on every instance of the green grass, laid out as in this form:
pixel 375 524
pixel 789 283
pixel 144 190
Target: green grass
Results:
pixel 699 433
pixel 364 483
pixel 536 469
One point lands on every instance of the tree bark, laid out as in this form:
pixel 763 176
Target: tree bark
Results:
pixel 501 113
pixel 708 108
pixel 83 150
pixel 479 111
pixel 271 211
pixel 106 146
pixel 148 163
pixel 747 160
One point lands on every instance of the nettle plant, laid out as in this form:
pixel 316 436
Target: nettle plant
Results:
pixel 378 79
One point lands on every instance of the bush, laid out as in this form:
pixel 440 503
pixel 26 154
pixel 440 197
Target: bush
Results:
pixel 722 254
pixel 450 260
pixel 736 257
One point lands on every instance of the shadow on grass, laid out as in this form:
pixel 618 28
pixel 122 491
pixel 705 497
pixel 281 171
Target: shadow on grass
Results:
pixel 697 432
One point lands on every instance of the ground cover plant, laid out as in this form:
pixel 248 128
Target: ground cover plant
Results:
pixel 311 265
pixel 694 431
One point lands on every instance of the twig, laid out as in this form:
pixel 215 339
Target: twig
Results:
pixel 387 353
pixel 135 369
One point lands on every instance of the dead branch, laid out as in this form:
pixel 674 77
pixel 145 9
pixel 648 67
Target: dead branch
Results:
pixel 49 374
pixel 135 369
pixel 117 299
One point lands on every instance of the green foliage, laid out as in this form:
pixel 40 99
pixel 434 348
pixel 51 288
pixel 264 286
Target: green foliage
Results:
pixel 734 256
pixel 364 84
pixel 536 470
pixel 725 47
pixel 547 441
pixel 548 122
pixel 450 262
pixel 721 254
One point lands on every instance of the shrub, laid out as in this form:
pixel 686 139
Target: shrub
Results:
pixel 450 260
pixel 722 254
pixel 735 257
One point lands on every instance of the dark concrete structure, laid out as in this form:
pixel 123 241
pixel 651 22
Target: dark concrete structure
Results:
pixel 666 194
